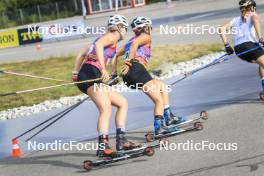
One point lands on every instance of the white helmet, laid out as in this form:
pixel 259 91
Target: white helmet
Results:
pixel 246 3
pixel 141 22
pixel 117 19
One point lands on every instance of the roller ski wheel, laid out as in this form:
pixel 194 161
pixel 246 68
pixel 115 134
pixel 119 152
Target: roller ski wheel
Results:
pixel 149 151
pixel 261 96
pixel 150 137
pixel 198 125
pixel 88 165
pixel 204 115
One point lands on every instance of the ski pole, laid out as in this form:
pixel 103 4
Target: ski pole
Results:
pixel 30 76
pixel 52 117
pixel 49 87
pixel 63 113
pixel 216 61
pixel 196 70
pixel 58 118
pixel 219 60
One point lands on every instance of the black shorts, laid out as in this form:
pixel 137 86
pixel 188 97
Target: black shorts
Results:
pixel 252 55
pixel 137 76
pixel 88 72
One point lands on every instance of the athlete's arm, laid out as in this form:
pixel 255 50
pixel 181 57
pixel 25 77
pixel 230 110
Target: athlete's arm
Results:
pixel 222 30
pixel 119 53
pixel 100 44
pixel 114 65
pixel 256 22
pixel 141 40
pixel 225 28
pixel 79 59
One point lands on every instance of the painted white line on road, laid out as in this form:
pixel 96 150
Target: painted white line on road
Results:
pixel 30 48
pixel 201 16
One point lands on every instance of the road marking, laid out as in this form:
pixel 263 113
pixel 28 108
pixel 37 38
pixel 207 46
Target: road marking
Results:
pixel 201 16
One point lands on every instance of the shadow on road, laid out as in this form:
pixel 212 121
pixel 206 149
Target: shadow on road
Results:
pixel 46 160
pixel 50 158
pixel 253 167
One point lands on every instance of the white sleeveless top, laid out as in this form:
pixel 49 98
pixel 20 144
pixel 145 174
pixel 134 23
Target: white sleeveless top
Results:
pixel 244 32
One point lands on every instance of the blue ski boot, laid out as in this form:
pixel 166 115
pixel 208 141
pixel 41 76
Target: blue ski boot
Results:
pixel 158 124
pixel 261 94
pixel 171 119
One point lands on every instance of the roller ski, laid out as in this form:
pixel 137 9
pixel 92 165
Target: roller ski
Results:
pixel 142 150
pixel 162 131
pixel 124 150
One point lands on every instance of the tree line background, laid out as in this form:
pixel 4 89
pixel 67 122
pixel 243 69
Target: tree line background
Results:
pixel 10 5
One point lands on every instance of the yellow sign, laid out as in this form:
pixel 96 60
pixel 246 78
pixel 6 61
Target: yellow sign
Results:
pixel 9 39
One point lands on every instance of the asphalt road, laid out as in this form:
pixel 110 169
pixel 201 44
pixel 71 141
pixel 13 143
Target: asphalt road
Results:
pixel 228 91
pixel 236 116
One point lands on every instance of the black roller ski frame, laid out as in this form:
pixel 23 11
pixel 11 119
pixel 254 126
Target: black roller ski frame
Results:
pixel 144 150
pixel 189 125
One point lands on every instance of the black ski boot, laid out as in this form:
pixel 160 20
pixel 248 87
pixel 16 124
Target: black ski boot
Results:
pixel 104 149
pixel 171 119
pixel 123 144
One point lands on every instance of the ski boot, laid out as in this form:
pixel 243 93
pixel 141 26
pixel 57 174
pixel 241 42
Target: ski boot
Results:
pixel 104 149
pixel 123 144
pixel 158 121
pixel 160 128
pixel 159 125
pixel 171 119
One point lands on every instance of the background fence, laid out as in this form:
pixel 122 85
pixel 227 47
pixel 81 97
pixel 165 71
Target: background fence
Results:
pixel 40 13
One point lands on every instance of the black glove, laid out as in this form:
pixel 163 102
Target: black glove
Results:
pixel 229 49
pixel 114 80
pixel 113 76
pixel 261 41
